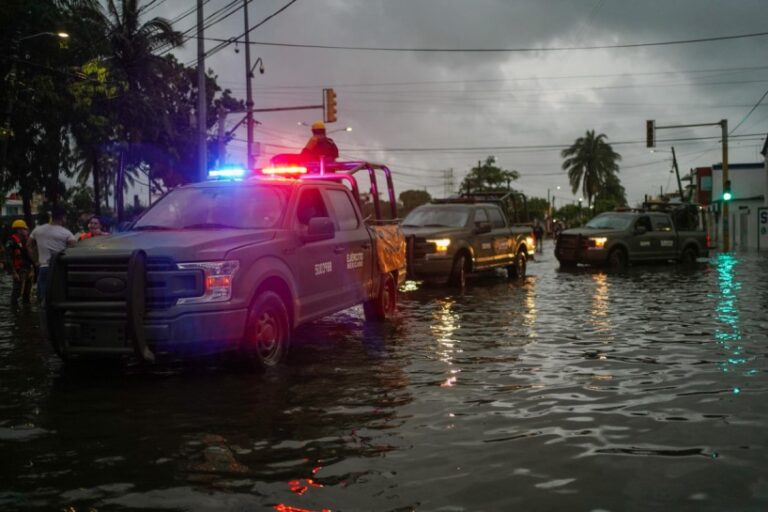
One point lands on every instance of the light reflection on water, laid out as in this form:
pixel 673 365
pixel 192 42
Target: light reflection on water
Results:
pixel 576 390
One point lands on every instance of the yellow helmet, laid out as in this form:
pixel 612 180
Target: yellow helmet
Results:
pixel 19 223
pixel 318 125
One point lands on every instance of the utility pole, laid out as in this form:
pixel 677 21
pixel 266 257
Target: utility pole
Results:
pixel 222 117
pixel 677 173
pixel 202 99
pixel 723 124
pixel 248 91
pixel 726 219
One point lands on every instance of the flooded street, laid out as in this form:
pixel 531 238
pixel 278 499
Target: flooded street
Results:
pixel 573 390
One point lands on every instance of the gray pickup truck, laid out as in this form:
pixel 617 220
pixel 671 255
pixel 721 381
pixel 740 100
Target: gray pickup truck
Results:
pixel 228 265
pixel 449 239
pixel 617 239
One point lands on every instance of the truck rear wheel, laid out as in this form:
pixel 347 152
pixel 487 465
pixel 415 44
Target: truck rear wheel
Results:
pixel 268 331
pixel 458 277
pixel 518 270
pixel 689 255
pixel 384 306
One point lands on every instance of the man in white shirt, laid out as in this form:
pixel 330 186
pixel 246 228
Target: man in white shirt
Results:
pixel 49 239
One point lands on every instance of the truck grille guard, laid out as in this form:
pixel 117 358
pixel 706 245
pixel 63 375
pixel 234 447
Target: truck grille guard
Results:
pixel 141 277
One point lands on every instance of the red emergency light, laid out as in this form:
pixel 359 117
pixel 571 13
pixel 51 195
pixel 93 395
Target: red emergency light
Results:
pixel 291 170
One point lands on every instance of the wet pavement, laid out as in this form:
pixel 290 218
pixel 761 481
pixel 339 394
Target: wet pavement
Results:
pixel 573 390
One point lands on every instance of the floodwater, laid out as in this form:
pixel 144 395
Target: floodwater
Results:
pixel 574 390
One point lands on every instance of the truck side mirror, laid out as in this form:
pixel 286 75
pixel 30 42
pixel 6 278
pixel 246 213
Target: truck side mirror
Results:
pixel 482 227
pixel 319 228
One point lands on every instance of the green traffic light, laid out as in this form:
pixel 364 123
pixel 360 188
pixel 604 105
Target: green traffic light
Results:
pixel 727 196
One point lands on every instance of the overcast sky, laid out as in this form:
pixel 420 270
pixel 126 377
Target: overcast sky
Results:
pixel 406 107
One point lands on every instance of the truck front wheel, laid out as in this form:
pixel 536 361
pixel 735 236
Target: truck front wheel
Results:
pixel 458 277
pixel 518 270
pixel 268 331
pixel 384 306
pixel 617 260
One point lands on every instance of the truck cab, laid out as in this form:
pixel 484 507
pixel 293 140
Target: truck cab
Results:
pixel 228 264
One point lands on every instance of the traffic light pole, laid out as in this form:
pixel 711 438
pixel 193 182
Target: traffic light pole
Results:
pixel 723 124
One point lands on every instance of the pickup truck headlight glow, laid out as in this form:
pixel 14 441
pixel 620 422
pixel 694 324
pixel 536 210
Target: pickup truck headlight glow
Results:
pixel 441 244
pixel 218 280
pixel 597 242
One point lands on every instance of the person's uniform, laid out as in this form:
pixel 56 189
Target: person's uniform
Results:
pixel 320 145
pixel 50 239
pixel 20 265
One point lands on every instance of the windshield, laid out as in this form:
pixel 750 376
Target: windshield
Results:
pixel 610 221
pixel 437 217
pixel 246 207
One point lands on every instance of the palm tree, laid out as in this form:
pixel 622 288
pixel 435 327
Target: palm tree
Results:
pixel 131 56
pixel 590 162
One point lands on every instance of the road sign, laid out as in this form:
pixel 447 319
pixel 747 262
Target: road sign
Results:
pixel 762 228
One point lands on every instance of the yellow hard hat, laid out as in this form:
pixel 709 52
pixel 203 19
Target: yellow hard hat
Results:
pixel 19 223
pixel 318 125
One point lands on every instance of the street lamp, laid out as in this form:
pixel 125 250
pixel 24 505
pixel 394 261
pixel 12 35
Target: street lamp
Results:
pixel 347 129
pixel 248 90
pixel 10 79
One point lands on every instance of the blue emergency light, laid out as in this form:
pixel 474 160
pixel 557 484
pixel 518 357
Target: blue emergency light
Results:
pixel 227 173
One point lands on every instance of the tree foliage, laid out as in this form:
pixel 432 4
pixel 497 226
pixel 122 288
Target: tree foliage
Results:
pixel 486 176
pixel 104 96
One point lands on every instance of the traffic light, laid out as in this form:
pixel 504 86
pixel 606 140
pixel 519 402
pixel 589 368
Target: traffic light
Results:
pixel 727 196
pixel 650 133
pixel 330 105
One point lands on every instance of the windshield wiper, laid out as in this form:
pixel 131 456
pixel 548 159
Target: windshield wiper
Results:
pixel 210 225
pixel 150 227
pixel 435 226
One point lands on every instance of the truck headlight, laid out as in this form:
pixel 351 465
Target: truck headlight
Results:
pixel 597 242
pixel 218 280
pixel 441 244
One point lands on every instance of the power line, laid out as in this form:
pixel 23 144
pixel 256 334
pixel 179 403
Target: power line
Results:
pixel 510 50
pixel 750 112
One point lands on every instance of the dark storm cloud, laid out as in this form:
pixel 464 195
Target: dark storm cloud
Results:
pixel 503 98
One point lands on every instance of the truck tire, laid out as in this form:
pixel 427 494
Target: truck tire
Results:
pixel 384 306
pixel 268 332
pixel 518 270
pixel 617 260
pixel 689 256
pixel 458 277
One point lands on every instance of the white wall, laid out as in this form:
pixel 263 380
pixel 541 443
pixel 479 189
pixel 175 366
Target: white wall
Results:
pixel 745 183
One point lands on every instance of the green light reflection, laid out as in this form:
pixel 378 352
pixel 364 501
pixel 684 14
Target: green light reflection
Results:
pixel 729 334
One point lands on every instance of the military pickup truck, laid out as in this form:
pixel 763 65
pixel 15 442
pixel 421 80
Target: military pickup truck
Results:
pixel 617 239
pixel 229 265
pixel 451 238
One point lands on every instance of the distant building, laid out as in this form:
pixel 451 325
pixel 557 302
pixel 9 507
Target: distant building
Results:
pixel 748 186
pixel 12 206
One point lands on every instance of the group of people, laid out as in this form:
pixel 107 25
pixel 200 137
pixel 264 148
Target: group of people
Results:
pixel 28 255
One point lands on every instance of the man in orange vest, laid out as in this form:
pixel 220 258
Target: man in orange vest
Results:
pixel 19 262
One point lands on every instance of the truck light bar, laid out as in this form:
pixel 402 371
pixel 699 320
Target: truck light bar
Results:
pixel 226 173
pixel 284 171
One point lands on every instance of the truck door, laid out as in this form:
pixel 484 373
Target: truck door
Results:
pixel 642 245
pixel 665 237
pixel 318 268
pixel 483 242
pixel 503 242
pixel 353 248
